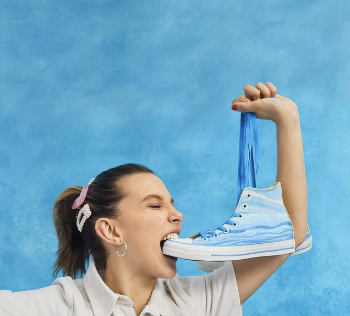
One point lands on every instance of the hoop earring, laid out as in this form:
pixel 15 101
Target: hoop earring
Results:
pixel 126 248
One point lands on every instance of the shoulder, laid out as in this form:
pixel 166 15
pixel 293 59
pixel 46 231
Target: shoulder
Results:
pixel 70 290
pixel 216 278
pixel 209 294
pixel 61 298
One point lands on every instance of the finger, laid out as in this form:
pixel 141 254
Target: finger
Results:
pixel 246 106
pixel 265 91
pixel 251 92
pixel 281 97
pixel 241 98
pixel 272 88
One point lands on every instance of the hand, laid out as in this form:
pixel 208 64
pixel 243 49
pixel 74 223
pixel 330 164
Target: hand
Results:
pixel 266 103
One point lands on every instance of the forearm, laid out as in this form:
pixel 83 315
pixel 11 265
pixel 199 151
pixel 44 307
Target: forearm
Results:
pixel 291 173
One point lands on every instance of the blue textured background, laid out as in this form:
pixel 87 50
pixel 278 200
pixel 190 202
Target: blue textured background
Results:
pixel 86 86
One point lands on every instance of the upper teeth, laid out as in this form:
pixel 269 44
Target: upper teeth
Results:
pixel 171 236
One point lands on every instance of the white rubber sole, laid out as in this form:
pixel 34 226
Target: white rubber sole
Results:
pixel 210 266
pixel 305 246
pixel 206 253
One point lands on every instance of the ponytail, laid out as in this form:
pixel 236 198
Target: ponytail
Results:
pixel 103 197
pixel 72 252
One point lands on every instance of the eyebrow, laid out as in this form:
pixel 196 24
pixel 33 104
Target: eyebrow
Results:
pixel 156 196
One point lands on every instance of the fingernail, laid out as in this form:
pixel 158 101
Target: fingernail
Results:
pixel 234 107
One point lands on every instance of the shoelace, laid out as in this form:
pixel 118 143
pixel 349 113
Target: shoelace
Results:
pixel 249 153
pixel 220 229
pixel 248 166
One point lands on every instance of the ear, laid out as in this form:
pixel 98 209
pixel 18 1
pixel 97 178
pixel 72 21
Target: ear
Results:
pixel 107 229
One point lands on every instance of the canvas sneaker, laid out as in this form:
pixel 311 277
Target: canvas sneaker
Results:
pixel 259 226
pixel 210 266
pixel 306 245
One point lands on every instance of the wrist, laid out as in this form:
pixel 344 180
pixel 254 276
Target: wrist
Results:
pixel 289 118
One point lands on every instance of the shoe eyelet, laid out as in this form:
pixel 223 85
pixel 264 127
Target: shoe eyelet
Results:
pixel 249 195
pixel 226 231
pixel 234 224
pixel 244 206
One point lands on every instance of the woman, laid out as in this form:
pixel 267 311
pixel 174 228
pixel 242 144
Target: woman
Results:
pixel 120 219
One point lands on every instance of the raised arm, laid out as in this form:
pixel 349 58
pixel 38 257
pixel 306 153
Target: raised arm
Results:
pixel 252 273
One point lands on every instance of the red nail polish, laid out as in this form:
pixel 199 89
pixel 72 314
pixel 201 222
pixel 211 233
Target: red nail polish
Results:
pixel 234 107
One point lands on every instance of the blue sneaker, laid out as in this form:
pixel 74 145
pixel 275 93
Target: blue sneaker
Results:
pixel 260 226
pixel 306 245
pixel 210 266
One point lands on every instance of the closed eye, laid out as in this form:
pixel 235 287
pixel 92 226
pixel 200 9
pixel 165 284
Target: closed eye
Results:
pixel 155 206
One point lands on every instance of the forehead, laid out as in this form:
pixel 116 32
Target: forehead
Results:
pixel 138 186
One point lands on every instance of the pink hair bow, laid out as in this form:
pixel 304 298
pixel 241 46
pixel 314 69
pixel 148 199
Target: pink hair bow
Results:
pixel 81 198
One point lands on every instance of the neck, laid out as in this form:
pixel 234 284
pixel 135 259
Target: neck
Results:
pixel 121 278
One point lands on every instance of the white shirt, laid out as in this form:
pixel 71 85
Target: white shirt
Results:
pixel 214 294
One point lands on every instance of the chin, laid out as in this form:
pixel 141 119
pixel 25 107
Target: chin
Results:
pixel 169 270
pixel 169 274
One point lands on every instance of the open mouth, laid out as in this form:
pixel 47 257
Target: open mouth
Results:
pixel 167 237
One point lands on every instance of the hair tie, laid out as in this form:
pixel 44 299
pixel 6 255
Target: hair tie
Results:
pixel 81 198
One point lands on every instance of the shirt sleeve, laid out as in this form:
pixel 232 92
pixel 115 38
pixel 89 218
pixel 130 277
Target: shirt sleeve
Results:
pixel 215 293
pixel 58 299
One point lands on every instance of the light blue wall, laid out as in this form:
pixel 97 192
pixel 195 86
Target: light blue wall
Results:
pixel 88 85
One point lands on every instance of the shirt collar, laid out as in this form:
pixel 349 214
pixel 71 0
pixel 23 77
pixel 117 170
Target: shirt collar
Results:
pixel 103 299
pixel 154 305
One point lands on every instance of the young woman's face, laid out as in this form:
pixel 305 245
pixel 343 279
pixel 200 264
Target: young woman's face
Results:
pixel 147 215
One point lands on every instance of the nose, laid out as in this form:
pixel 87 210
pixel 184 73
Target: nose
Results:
pixel 175 215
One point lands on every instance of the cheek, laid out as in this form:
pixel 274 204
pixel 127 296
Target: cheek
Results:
pixel 144 242
pixel 143 228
